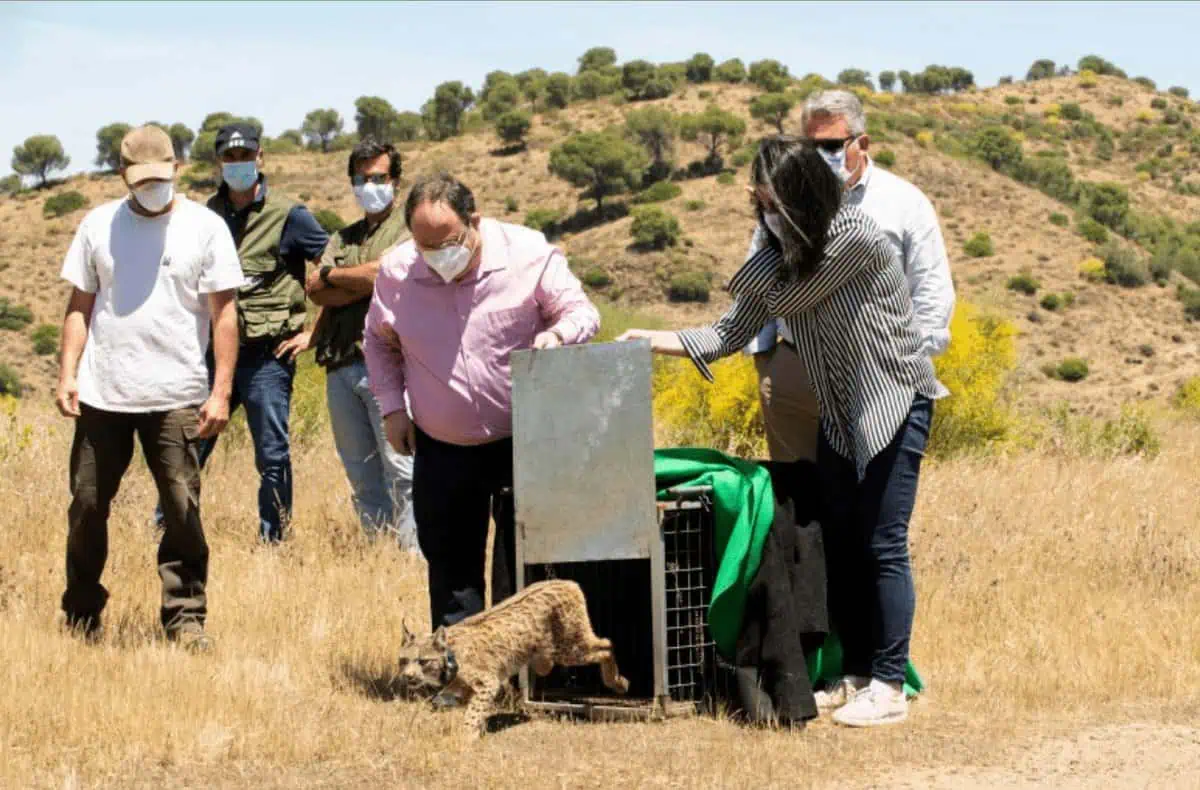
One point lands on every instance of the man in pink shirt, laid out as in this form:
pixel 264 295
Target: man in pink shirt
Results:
pixel 450 305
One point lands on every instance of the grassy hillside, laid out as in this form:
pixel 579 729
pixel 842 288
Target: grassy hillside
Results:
pixel 1136 340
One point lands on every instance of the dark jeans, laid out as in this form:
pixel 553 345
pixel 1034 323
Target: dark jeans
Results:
pixel 263 385
pixel 865 531
pixel 454 488
pixel 100 455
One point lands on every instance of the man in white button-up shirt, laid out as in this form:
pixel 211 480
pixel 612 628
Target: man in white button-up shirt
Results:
pixel 835 121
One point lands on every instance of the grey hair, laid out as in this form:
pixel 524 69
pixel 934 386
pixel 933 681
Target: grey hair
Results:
pixel 843 104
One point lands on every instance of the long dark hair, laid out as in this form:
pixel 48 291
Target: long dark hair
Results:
pixel 806 193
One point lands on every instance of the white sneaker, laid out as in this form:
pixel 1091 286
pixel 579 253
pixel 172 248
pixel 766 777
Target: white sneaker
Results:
pixel 878 704
pixel 839 693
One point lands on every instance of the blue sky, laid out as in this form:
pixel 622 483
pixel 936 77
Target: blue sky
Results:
pixel 68 69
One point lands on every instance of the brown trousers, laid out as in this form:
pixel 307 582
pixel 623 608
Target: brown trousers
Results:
pixel 100 455
pixel 789 405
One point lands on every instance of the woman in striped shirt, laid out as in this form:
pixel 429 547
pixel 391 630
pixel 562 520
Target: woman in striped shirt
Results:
pixel 830 274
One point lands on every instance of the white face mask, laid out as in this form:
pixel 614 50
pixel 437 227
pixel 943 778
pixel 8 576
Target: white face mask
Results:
pixel 155 196
pixel 837 161
pixel 448 262
pixel 774 223
pixel 374 198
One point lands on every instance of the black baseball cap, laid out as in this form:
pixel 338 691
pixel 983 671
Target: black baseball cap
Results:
pixel 236 135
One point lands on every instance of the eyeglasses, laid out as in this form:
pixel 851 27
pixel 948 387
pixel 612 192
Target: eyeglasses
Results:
pixel 376 178
pixel 832 145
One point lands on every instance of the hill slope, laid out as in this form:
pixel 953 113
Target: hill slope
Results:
pixel 1136 340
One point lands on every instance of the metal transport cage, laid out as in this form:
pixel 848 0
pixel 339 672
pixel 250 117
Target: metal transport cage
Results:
pixel 584 495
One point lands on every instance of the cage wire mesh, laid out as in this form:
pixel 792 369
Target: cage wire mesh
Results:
pixel 618 593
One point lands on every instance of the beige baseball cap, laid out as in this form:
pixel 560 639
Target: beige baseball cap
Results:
pixel 146 152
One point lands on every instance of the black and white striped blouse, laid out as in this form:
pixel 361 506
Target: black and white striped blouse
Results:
pixel 853 324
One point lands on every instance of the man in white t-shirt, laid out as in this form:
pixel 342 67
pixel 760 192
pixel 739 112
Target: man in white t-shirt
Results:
pixel 151 273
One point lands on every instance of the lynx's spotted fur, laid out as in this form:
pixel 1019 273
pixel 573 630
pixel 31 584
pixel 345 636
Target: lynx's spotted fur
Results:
pixel 543 625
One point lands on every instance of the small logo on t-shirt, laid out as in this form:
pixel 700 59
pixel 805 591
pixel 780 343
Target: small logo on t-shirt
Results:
pixel 166 261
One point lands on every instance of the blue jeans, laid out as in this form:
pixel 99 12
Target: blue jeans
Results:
pixel 865 532
pixel 380 478
pixel 263 385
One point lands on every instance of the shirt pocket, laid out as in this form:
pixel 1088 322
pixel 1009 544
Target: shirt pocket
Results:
pixel 509 329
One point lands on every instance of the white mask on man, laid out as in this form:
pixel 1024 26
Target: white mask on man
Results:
pixel 155 196
pixel 374 198
pixel 448 262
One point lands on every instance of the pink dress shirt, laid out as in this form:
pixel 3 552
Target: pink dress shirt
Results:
pixel 448 344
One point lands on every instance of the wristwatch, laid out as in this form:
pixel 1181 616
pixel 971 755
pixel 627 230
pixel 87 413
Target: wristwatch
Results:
pixel 325 270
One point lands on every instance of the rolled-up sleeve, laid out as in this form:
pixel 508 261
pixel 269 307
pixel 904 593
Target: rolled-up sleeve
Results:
pixel 382 348
pixel 928 268
pixel 563 303
pixel 731 332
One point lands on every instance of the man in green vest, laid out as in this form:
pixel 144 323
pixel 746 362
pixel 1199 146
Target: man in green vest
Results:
pixel 342 284
pixel 276 238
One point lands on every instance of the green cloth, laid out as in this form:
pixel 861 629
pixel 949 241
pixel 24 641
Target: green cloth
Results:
pixel 743 509
pixel 743 512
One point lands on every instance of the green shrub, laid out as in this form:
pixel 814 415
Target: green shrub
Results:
pixel 1190 298
pixel 511 205
pixel 542 219
pixel 659 192
pixel 1023 283
pixel 689 287
pixel 1071 111
pixel 1123 267
pixel 1059 219
pixel 744 155
pixel 595 277
pixel 1093 231
pixel 1013 100
pixel 694 205
pixel 1158 103
pixel 725 179
pixel 980 245
pixel 62 204
pixel 1116 101
pixel 329 220
pixel 45 339
pixel 1051 302
pixel 886 157
pixel 1071 369
pixel 654 228
pixel 14 317
pixel 10 382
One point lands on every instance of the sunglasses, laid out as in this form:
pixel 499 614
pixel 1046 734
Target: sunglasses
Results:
pixel 378 178
pixel 832 145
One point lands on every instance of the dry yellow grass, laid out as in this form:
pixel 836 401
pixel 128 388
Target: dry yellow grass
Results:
pixel 1053 594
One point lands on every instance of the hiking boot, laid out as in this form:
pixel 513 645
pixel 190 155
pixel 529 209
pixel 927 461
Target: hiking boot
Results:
pixel 839 692
pixel 878 704
pixel 191 637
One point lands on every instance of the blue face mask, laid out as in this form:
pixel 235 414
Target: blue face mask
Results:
pixel 240 176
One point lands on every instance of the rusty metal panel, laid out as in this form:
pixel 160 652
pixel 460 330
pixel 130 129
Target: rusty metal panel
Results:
pixel 583 453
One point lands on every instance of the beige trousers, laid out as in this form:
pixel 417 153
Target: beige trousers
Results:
pixel 789 404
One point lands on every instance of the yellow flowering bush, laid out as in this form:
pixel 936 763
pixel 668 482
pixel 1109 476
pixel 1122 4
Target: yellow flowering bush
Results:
pixel 924 138
pixel 1092 270
pixel 1087 79
pixel 965 107
pixel 974 368
pixel 1053 108
pixel 882 99
pixel 1187 398
pixel 1145 116
pixel 725 414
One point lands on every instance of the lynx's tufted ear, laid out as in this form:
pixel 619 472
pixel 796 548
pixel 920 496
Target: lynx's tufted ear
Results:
pixel 406 636
pixel 439 638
